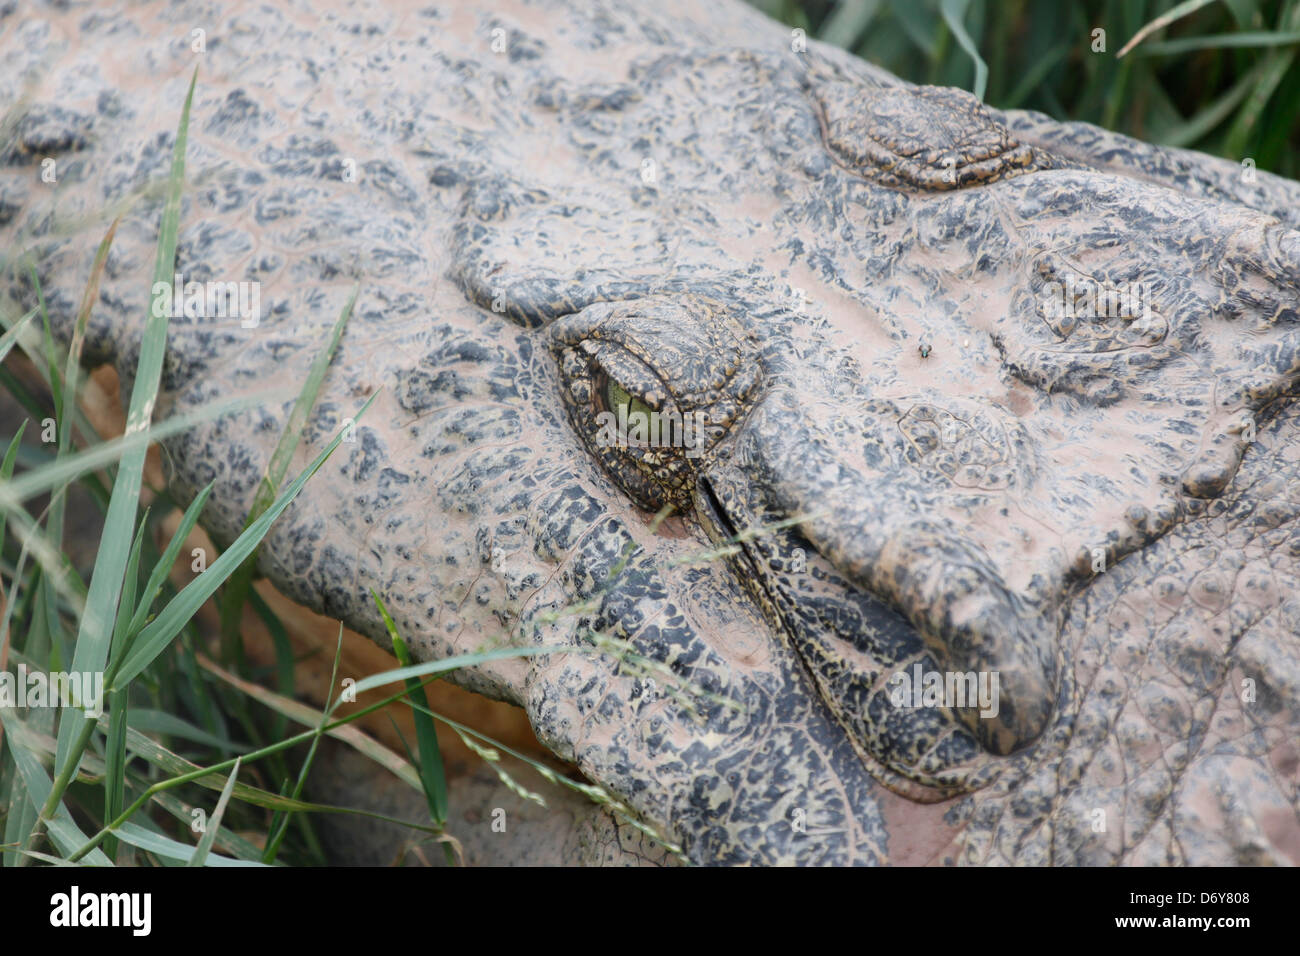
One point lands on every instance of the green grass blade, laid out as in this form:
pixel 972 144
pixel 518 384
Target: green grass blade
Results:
pixel 149 720
pixel 168 848
pixel 67 407
pixel 227 841
pixel 235 594
pixel 954 11
pixel 160 570
pixel 432 775
pixel 10 338
pixel 1177 13
pixel 66 396
pixel 72 368
pixel 115 760
pixel 292 436
pixel 41 857
pixel 47 340
pixel 1221 41
pixel 65 834
pixel 21 812
pixel 7 469
pixel 130 582
pixel 95 634
pixel 214 822
pixel 115 746
pixel 401 674
pixel 280 822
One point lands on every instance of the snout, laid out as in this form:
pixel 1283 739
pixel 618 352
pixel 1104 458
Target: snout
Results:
pixel 871 525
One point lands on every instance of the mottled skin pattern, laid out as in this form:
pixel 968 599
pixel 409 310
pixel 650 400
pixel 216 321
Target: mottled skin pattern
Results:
pixel 849 276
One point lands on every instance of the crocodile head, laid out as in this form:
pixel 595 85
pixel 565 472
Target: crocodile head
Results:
pixel 909 481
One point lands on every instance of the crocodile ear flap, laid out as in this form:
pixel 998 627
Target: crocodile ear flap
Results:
pixel 915 138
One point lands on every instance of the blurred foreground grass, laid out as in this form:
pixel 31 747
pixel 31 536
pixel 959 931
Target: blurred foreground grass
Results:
pixel 144 758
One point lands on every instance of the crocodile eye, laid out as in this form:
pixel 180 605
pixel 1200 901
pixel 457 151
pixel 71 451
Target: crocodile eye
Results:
pixel 633 416
pixel 651 385
pixel 617 397
pixel 638 432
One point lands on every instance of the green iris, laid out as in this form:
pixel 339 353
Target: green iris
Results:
pixel 639 416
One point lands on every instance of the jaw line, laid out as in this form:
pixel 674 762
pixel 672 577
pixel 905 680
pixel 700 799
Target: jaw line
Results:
pixel 718 527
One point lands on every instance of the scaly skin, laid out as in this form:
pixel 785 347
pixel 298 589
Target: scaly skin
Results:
pixel 850 277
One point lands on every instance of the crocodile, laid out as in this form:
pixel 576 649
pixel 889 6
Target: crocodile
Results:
pixel 889 478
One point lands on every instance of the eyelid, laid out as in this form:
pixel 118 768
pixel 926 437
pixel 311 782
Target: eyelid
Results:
pixel 611 361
